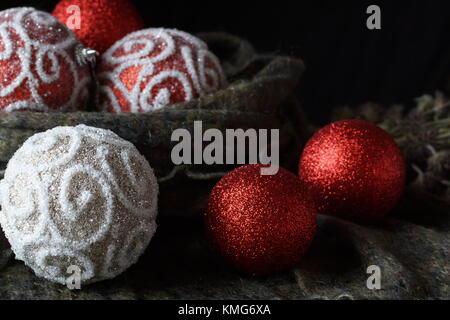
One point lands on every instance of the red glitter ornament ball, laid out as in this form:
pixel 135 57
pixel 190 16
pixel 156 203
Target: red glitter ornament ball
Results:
pixel 41 65
pixel 260 224
pixel 354 170
pixel 152 68
pixel 99 23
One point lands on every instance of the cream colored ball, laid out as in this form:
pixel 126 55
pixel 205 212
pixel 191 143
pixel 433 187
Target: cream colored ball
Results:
pixel 78 196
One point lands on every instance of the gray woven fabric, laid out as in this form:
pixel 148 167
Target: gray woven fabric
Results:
pixel 410 247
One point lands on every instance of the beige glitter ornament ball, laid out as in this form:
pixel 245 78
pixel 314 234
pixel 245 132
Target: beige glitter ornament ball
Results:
pixel 78 196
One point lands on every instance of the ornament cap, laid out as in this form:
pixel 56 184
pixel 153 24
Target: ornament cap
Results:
pixel 86 56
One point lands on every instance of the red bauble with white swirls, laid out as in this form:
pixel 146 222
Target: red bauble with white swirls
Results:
pixel 39 66
pixel 152 68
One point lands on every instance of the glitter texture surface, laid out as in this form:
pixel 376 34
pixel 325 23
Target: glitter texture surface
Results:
pixel 260 224
pixel 39 69
pixel 152 68
pixel 78 196
pixel 102 22
pixel 354 170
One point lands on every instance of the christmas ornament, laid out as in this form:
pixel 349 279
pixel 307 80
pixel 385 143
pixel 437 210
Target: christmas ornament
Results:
pixel 152 68
pixel 422 134
pixel 42 66
pixel 78 196
pixel 260 223
pixel 99 23
pixel 354 170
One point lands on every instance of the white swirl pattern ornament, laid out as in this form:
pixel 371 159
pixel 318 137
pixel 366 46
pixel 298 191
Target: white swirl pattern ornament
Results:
pixel 38 53
pixel 78 193
pixel 18 206
pixel 44 152
pixel 69 213
pixel 145 70
pixel 45 269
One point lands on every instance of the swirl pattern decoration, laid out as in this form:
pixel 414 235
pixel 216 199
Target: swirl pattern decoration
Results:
pixel 39 64
pixel 152 68
pixel 78 196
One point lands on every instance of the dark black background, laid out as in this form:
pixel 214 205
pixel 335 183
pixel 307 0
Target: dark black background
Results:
pixel 347 64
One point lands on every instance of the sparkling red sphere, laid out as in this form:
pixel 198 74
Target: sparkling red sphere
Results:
pixel 153 68
pixel 99 23
pixel 40 67
pixel 260 224
pixel 354 170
